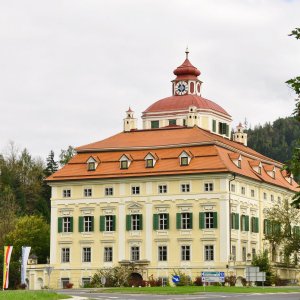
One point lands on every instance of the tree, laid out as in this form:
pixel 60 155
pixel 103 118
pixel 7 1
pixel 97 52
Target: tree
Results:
pixel 66 155
pixel 262 261
pixel 52 165
pixel 30 231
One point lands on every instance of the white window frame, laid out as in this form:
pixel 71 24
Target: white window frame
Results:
pixel 66 224
pixel 87 223
pixel 87 192
pixel 162 189
pixel 67 193
pixel 185 187
pixel 109 221
pixel 209 220
pixel 135 253
pixel 86 254
pixel 135 190
pixel 108 254
pixel 162 253
pixel 65 255
pixel 162 221
pixel 208 186
pixel 135 222
pixel 109 191
pixel 209 252
pixel 185 252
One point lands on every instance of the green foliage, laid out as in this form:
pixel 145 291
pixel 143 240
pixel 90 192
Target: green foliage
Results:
pixel 115 277
pixel 66 155
pixel 262 261
pixel 184 279
pixel 30 231
pixel 276 140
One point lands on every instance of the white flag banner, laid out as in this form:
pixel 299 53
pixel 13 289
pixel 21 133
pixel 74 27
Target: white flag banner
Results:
pixel 25 255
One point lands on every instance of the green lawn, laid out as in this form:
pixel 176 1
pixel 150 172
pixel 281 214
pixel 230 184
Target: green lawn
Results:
pixel 199 289
pixel 28 295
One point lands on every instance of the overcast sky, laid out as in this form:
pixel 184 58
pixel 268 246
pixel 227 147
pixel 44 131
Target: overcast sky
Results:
pixel 70 69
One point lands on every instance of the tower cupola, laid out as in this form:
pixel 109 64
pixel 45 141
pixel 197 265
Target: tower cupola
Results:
pixel 130 123
pixel 239 135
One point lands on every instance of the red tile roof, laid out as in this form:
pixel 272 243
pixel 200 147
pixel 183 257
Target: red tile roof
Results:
pixel 210 154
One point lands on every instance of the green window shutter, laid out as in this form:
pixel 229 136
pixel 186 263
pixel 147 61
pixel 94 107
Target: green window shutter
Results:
pixel 168 221
pixel 257 225
pixel 201 220
pixel 265 226
pixel 191 221
pixel 178 221
pixel 141 222
pixel 242 222
pixel 269 227
pixel 114 223
pixel 71 224
pixel 214 125
pixel 128 222
pixel 59 224
pixel 80 224
pixel 93 223
pixel 102 223
pixel 252 225
pixel 232 219
pixel 246 223
pixel 227 129
pixel 215 214
pixel 237 223
pixel 155 222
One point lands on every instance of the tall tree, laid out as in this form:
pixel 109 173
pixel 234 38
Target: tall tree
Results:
pixel 66 155
pixel 52 165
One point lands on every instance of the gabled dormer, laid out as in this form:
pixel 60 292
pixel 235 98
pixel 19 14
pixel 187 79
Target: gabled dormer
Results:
pixel 185 158
pixel 125 161
pixel 270 170
pixel 256 165
pixel 236 158
pixel 287 176
pixel 92 163
pixel 150 160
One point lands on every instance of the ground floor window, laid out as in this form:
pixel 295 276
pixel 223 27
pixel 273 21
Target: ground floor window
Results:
pixel 135 253
pixel 86 254
pixel 209 252
pixel 185 252
pixel 108 254
pixel 86 281
pixel 65 282
pixel 164 280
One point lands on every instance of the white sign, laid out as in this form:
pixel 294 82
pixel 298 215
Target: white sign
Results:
pixel 213 276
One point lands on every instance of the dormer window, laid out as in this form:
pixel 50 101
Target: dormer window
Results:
pixel 256 166
pixel 150 160
pixel 184 158
pixel 125 161
pixel 270 170
pixel 236 159
pixel 92 164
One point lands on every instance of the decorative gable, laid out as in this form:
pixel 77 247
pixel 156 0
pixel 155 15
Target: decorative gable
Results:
pixel 256 165
pixel 150 160
pixel 287 176
pixel 270 170
pixel 185 158
pixel 236 158
pixel 125 161
pixel 92 163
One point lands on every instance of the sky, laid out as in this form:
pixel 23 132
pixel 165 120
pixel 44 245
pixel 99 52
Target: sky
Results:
pixel 70 69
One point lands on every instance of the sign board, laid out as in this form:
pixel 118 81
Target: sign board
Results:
pixel 253 274
pixel 213 276
pixel 103 280
pixel 175 279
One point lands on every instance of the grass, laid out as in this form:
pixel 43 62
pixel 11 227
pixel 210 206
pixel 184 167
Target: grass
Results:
pixel 31 295
pixel 199 289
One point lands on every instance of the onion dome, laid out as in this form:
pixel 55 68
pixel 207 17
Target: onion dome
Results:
pixel 186 70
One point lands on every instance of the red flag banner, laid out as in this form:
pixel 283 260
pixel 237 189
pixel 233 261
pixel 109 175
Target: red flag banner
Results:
pixel 7 255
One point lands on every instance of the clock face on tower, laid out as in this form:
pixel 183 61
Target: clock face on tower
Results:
pixel 181 88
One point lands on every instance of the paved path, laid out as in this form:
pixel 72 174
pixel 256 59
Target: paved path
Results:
pixel 83 295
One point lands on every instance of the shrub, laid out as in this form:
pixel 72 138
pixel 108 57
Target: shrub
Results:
pixel 231 280
pixel 69 285
pixel 184 279
pixel 198 281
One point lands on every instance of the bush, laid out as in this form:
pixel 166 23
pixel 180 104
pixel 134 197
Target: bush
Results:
pixel 137 282
pixel 184 279
pixel 69 285
pixel 231 280
pixel 198 281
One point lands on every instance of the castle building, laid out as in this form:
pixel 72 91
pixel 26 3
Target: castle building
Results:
pixel 179 194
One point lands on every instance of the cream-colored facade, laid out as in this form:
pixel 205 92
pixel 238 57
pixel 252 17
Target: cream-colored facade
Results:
pixel 177 195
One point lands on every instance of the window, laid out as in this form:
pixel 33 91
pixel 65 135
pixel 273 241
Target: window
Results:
pixel 67 193
pixel 154 124
pixel 135 222
pixel 149 163
pixel 109 191
pixel 214 125
pixel 233 253
pixel 85 281
pixel 272 198
pixel 253 252
pixel 244 223
pixel 208 220
pixel 279 200
pixel 223 128
pixel 66 224
pixel 172 122
pixel 243 190
pixel 135 190
pixel 86 254
pixel 124 164
pixel 232 188
pixel 186 221
pixel 235 220
pixel 109 223
pixel 162 189
pixel 244 253
pixel 265 196
pixel 185 252
pixel 135 253
pixel 208 187
pixel 252 193
pixel 184 161
pixel 65 255
pixel 91 166
pixel 88 223
pixel 184 122
pixel 164 281
pixel 239 163
pixel 185 188
pixel 208 252
pixel 254 224
pixel 87 192
pixel 161 221
pixel 65 282
pixel 162 253
pixel 108 254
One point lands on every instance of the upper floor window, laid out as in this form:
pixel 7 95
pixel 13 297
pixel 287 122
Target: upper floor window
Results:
pixel 154 124
pixel 91 166
pixel 108 223
pixel 86 254
pixel 87 192
pixel 162 189
pixel 252 193
pixel 244 253
pixel 161 221
pixel 208 187
pixel 134 222
pixel 65 255
pixel 208 252
pixel 150 160
pixel 124 164
pixel 223 128
pixel 86 224
pixel 108 254
pixel 265 196
pixel 125 161
pixel 135 190
pixel 184 158
pixel 272 198
pixel 172 122
pixel 67 193
pixel 162 253
pixel 208 220
pixel 109 191
pixel 185 188
pixel 214 125
pixel 149 163
pixel 184 220
pixel 185 252
pixel 243 190
pixel 244 223
pixel 135 253
pixel 67 224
